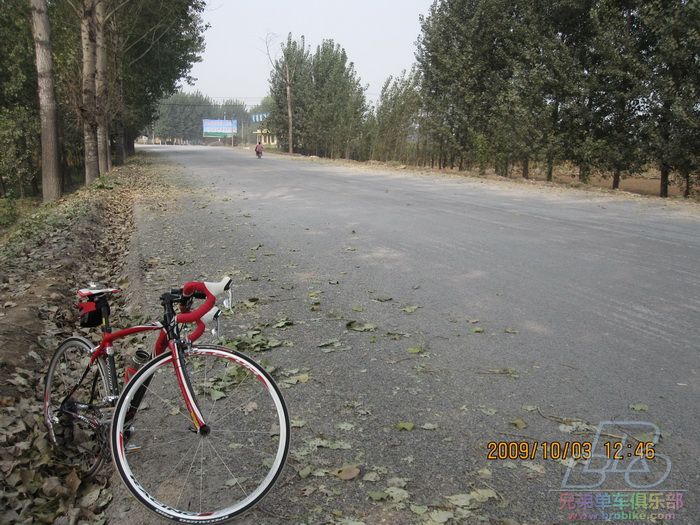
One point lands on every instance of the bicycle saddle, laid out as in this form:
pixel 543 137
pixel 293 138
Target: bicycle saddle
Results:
pixel 94 289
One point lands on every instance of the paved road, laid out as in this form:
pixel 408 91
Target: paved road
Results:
pixel 589 303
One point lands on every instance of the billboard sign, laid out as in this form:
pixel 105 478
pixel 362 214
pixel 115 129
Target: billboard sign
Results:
pixel 219 128
pixel 259 117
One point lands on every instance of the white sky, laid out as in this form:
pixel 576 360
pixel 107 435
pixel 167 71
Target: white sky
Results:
pixel 379 37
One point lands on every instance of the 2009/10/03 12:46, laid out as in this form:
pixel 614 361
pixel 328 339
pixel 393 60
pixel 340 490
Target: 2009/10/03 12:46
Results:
pixel 577 450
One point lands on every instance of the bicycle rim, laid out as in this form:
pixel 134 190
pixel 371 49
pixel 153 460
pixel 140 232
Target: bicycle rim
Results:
pixel 195 478
pixel 78 444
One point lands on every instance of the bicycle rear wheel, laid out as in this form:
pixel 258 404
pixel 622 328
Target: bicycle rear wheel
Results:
pixel 193 477
pixel 78 442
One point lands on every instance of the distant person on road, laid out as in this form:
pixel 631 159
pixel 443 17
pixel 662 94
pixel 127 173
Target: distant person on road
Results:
pixel 259 148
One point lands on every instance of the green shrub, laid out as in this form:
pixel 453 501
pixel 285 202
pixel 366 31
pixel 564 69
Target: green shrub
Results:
pixel 8 212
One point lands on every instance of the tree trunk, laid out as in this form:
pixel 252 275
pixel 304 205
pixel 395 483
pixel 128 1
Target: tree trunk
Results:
pixel 526 168
pixel 550 168
pixel 50 165
pixel 584 173
pixel 288 82
pixel 87 38
pixel 665 171
pixel 103 153
pixel 616 179
pixel 686 177
pixel 129 138
pixel 119 147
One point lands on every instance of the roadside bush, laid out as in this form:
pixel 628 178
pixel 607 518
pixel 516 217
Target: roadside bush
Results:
pixel 8 212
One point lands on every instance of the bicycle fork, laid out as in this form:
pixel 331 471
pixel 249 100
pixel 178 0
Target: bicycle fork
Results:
pixel 178 351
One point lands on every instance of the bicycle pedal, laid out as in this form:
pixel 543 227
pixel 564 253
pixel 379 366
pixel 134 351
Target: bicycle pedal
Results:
pixel 132 448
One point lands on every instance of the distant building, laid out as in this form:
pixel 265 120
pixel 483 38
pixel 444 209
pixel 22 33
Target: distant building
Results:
pixel 265 137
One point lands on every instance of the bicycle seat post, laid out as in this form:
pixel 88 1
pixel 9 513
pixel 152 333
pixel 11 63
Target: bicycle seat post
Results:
pixel 105 311
pixel 102 303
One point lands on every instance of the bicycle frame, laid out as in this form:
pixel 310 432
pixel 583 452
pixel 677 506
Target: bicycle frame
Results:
pixel 106 349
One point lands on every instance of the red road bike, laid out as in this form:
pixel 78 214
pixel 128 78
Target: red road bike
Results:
pixel 198 433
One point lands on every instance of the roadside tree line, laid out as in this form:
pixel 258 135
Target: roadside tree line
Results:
pixel 79 79
pixel 608 86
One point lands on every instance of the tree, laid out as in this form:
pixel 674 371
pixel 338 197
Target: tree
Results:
pixel 289 83
pixel 156 45
pixel 672 51
pixel 19 112
pixel 180 116
pixel 50 174
pixel 101 86
pixel 396 119
pixel 317 99
pixel 88 108
pixel 338 104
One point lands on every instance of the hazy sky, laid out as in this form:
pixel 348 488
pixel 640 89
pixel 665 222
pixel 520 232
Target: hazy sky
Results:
pixel 379 37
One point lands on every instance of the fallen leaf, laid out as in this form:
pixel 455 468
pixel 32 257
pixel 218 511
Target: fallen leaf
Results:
pixel 73 481
pixel 360 327
pixel 404 425
pixel 397 494
pixel 371 476
pixel 429 426
pixel 639 407
pixel 518 422
pixel 377 495
pixel 397 482
pixel 441 516
pixel 347 472
pixel 460 500
pixel 410 308
pixel 414 350
pixel 485 473
pixel 482 495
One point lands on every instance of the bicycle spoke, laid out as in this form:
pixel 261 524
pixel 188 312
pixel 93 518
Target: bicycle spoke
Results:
pixel 184 484
pixel 167 405
pixel 201 477
pixel 182 458
pixel 171 429
pixel 240 407
pixel 229 470
pixel 211 411
pixel 257 450
pixel 165 444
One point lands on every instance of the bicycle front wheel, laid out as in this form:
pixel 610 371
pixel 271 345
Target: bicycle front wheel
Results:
pixel 193 477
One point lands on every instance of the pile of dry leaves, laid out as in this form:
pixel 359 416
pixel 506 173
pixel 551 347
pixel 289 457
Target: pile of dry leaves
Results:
pixel 85 237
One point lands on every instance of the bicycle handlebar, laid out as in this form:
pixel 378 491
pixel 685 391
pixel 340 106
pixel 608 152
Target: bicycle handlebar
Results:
pixel 202 290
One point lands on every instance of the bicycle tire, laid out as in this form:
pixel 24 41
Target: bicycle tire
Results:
pixel 155 446
pixel 76 443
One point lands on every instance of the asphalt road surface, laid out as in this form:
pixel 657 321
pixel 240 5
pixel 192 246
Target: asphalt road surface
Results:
pixel 540 313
